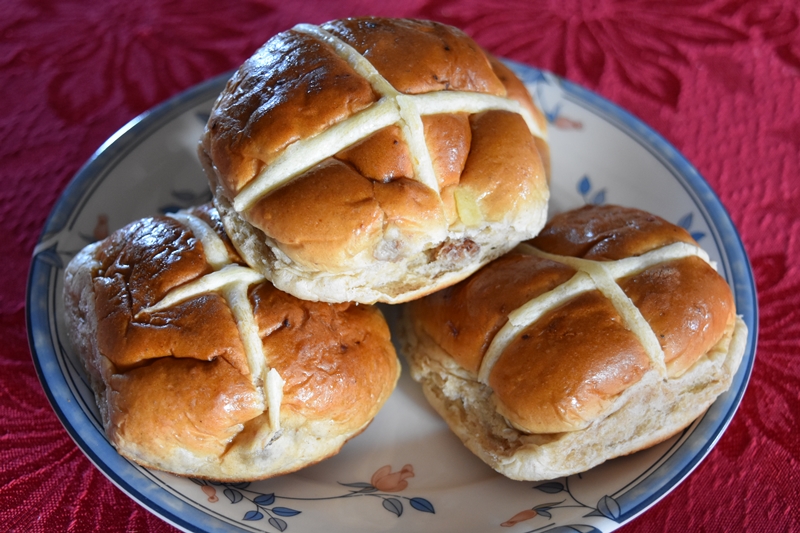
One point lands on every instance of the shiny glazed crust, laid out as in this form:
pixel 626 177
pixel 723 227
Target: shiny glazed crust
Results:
pixel 348 167
pixel 547 364
pixel 200 367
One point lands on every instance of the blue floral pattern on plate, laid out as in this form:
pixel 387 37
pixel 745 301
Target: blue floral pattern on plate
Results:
pixel 383 485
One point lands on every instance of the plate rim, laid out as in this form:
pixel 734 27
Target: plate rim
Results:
pixel 190 518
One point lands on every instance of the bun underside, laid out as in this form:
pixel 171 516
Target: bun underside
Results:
pixel 380 281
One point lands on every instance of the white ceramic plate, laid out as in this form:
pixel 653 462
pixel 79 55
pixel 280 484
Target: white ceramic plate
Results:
pixel 600 154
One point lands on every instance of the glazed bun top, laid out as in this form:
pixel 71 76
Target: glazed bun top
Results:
pixel 608 233
pixel 562 326
pixel 374 139
pixel 206 358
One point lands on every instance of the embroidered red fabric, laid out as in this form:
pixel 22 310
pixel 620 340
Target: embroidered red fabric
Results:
pixel 720 79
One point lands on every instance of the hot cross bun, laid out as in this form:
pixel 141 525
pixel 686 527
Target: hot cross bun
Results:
pixel 608 333
pixel 202 368
pixel 375 159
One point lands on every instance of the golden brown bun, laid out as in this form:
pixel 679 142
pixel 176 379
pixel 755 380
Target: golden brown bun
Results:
pixel 375 159
pixel 605 335
pixel 202 368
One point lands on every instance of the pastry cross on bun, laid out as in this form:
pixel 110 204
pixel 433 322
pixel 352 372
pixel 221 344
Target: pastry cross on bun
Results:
pixel 201 367
pixel 606 334
pixel 375 159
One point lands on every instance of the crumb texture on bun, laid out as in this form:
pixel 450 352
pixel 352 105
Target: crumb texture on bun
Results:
pixel 606 334
pixel 375 159
pixel 202 368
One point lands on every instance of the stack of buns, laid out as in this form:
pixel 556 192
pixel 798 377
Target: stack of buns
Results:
pixel 237 341
pixel 382 160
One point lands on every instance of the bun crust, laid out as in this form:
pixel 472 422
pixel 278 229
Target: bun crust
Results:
pixel 202 368
pixel 605 335
pixel 345 158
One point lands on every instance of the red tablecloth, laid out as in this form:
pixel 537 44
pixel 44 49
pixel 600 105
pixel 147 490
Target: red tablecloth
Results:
pixel 719 79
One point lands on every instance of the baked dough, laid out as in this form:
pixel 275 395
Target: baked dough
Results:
pixel 375 159
pixel 202 368
pixel 608 333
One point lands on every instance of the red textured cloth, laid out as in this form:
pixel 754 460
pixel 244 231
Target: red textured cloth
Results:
pixel 719 79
